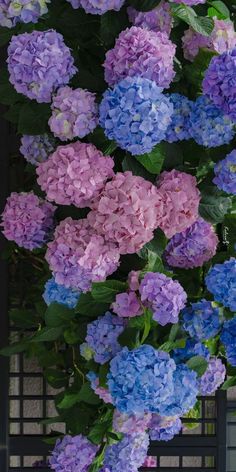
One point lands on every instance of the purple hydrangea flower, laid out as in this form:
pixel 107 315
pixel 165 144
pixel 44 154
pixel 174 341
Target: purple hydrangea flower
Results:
pixel 158 19
pixel 213 377
pixel 179 125
pixel 141 53
pixel 225 173
pixel 72 453
pixel 131 424
pixel 128 454
pixel 164 428
pixel 74 3
pixel 201 320
pixel 219 82
pixel 208 125
pixel 141 380
pixel 228 339
pixel 39 63
pixel 54 292
pixel 27 220
pixel 24 11
pixel 193 247
pixel 74 113
pixel 221 282
pixel 36 149
pixel 135 114
pixel 97 7
pixel 191 349
pixel 102 392
pixel 102 337
pixel 127 305
pixel 185 392
pixel 164 296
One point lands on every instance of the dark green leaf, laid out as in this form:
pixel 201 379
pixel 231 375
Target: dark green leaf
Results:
pixel 231 382
pixel 198 364
pixel 158 243
pixel 129 338
pixel 144 5
pixel 187 14
pixel 98 432
pixel 89 307
pixel 85 394
pixel 23 318
pixel 196 71
pixel 58 315
pixel 14 348
pixel 112 23
pixel 33 118
pixel 153 160
pixel 130 163
pixel 5 36
pixel 106 292
pixel 47 334
pixel 56 378
pixel 214 206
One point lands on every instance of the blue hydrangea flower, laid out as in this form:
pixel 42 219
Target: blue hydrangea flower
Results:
pixel 208 125
pixel 185 392
pixel 201 320
pixel 54 292
pixel 228 339
pixel 191 349
pixel 101 339
pixel 179 126
pixel 135 114
pixel 225 173
pixel 221 282
pixel 164 428
pixel 141 380
pixel 128 454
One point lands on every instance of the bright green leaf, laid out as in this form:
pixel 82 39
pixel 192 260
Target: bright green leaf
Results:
pixel 200 24
pixel 153 160
pixel 198 364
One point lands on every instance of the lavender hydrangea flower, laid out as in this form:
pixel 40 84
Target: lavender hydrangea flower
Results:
pixel 164 428
pixel 221 282
pixel 128 454
pixel 131 424
pixel 127 305
pixel 158 19
pixel 179 125
pixel 97 7
pixel 191 349
pixel 225 173
pixel 164 296
pixel 228 339
pixel 213 377
pixel 74 3
pixel 208 125
pixel 72 453
pixel 201 320
pixel 102 392
pixel 39 63
pixel 27 220
pixel 54 292
pixel 219 82
pixel 135 114
pixel 193 247
pixel 74 113
pixel 141 53
pixel 185 392
pixel 24 11
pixel 102 337
pixel 141 380
pixel 36 149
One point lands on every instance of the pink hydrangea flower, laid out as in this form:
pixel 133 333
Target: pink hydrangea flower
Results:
pixel 27 220
pixel 150 461
pixel 75 174
pixel 127 305
pixel 143 53
pixel 222 38
pixel 131 424
pixel 74 113
pixel 78 255
pixel 158 19
pixel 181 199
pixel 133 280
pixel 128 211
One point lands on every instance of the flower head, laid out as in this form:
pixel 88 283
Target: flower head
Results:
pixel 102 392
pixel 201 320
pixel 128 454
pixel 74 113
pixel 135 114
pixel 127 305
pixel 72 453
pixel 37 148
pixel 158 19
pixel 75 174
pixel 185 392
pixel 178 128
pixel 225 173
pixel 131 424
pixel 221 282
pixel 164 296
pixel 27 220
pixel 228 339
pixel 164 428
pixel 97 7
pixel 54 292
pixel 24 11
pixel 191 349
pixel 143 53
pixel 213 377
pixel 38 63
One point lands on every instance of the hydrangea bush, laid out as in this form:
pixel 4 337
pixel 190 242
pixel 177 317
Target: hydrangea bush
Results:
pixel 120 220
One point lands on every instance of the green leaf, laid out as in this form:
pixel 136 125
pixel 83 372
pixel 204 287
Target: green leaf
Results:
pixel 23 318
pixel 47 334
pixel 196 71
pixel 112 23
pixel 198 364
pixel 144 5
pixel 33 118
pixel 214 205
pixel 130 163
pixel 187 14
pixel 58 315
pixel 219 10
pixel 99 139
pixel 5 35
pixel 129 338
pixel 14 348
pixel 153 160
pixel 85 394
pixel 154 263
pixel 89 307
pixel 174 332
pixel 98 432
pixel 170 345
pixel 231 382
pixel 158 243
pixel 56 378
pixel 106 292
pixel 147 325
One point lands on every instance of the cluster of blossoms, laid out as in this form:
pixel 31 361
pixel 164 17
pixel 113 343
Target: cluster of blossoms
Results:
pixel 24 11
pixel 213 377
pixel 135 423
pixel 27 220
pixel 54 292
pixel 143 53
pixel 228 338
pixel 221 39
pixel 128 454
pixel 136 114
pixel 72 453
pixel 127 305
pixel 79 256
pixel 75 174
pixel 102 338
pixel 221 282
pixel 36 149
pixel 97 7
pixel 158 19
pixel 39 63
pixel 164 428
pixel 74 113
pixel 102 392
pixel 225 173
pixel 201 320
pixel 218 80
pixel 165 297
pixel 179 126
pixel 193 247
pixel 192 348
